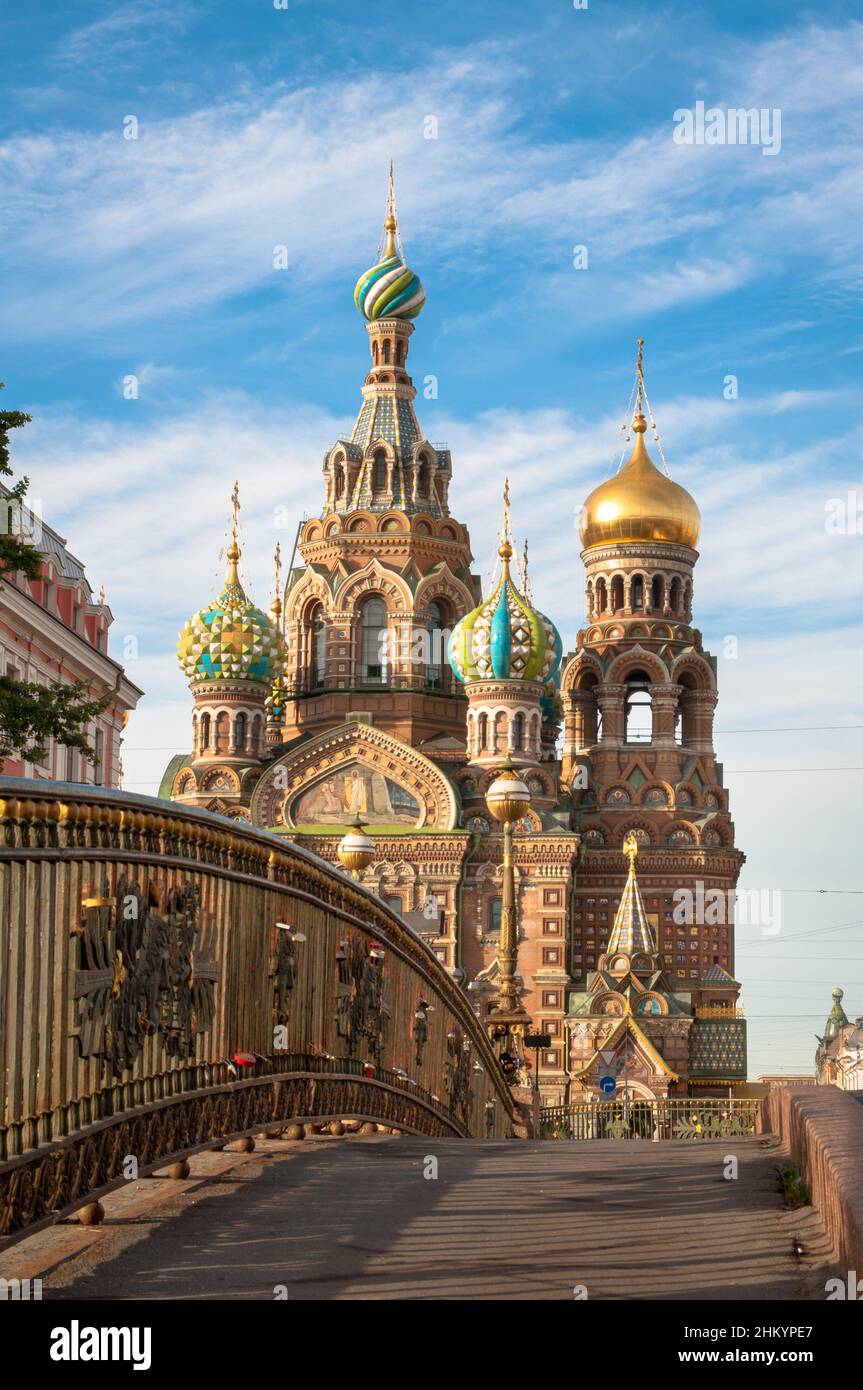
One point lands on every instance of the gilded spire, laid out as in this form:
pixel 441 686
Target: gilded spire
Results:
pixel 234 548
pixel 391 224
pixel 631 931
pixel 639 424
pixel 504 550
pixel 276 608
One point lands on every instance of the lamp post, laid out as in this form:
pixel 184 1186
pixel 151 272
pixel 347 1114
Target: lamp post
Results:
pixel 508 799
pixel 356 849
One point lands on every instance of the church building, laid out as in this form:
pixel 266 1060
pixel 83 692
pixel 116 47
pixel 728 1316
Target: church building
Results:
pixel 384 685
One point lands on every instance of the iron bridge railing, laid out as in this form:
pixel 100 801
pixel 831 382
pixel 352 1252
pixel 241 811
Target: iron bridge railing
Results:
pixel 673 1118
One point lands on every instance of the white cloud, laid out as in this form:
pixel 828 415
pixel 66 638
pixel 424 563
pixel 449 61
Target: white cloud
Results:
pixel 99 229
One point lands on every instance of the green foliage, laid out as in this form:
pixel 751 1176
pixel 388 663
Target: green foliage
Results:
pixel 31 715
pixel 794 1186
pixel 15 554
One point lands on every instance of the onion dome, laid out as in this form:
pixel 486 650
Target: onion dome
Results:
pixel 639 503
pixel 505 638
pixel 389 290
pixel 231 639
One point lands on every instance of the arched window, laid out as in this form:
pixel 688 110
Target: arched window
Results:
pixel 639 712
pixel 685 724
pixel 317 647
pixel 657 592
pixel 495 911
pixel 482 732
pixel 340 481
pixel 518 732
pixel 638 591
pixel 375 351
pixel 601 596
pixel 616 593
pixel 588 719
pixel 423 479
pixel 438 633
pixel 379 473
pixel 205 733
pixel 240 733
pixel 386 349
pixel 674 595
pixel 373 662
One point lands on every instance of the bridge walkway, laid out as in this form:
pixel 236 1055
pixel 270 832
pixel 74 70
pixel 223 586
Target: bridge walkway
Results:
pixel 355 1218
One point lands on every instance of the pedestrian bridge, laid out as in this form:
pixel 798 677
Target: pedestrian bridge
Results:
pixel 173 980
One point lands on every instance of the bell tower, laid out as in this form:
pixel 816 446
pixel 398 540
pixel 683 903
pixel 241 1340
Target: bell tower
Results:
pixel 385 573
pixel 639 695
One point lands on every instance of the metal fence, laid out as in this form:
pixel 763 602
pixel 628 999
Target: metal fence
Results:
pixel 169 977
pixel 650 1119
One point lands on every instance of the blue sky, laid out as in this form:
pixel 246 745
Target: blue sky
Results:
pixel 259 127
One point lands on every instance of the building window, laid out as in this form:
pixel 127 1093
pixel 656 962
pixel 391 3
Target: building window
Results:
pixel 550 999
pixel 551 1059
pixel 70 765
pixel 379 473
pixel 551 896
pixel 318 646
pixel 483 731
pixel 518 732
pixel 551 955
pixel 435 624
pixel 240 733
pixel 374 641
pixel 495 908
pixel 551 926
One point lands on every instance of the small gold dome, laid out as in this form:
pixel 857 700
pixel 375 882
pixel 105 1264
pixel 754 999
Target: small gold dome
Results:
pixel 639 504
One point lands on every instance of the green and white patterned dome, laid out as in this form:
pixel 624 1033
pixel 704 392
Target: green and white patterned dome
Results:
pixel 505 638
pixel 231 639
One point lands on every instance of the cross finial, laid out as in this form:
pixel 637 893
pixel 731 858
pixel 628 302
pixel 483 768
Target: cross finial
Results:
pixel 391 223
pixel 630 849
pixel 277 599
pixel 505 547
pixel 234 548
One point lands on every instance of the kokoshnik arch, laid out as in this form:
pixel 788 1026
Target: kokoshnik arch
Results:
pixel 341 702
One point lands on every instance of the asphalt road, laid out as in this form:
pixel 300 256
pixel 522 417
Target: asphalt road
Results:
pixel 357 1219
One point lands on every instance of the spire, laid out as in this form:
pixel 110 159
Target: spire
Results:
pixel 234 551
pixel 631 931
pixel 391 222
pixel 504 550
pixel 276 607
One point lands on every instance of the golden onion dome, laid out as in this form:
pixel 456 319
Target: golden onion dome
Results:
pixel 639 504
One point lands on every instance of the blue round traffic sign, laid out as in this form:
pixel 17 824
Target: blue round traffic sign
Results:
pixel 607 1084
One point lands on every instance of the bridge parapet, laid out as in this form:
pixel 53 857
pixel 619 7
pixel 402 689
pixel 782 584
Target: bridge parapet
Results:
pixel 821 1128
pixel 171 977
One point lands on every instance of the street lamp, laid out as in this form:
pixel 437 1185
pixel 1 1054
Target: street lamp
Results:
pixel 508 799
pixel 356 849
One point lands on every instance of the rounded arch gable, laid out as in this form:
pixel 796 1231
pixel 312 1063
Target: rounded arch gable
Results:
pixel 637 659
pixel 582 664
pixel 695 666
pixel 375 582
pixel 355 769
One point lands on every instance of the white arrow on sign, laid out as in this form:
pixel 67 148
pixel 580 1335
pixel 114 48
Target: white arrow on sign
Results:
pixel 608 1056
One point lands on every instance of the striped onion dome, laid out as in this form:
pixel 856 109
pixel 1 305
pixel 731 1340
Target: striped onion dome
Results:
pixel 389 290
pixel 231 639
pixel 505 638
